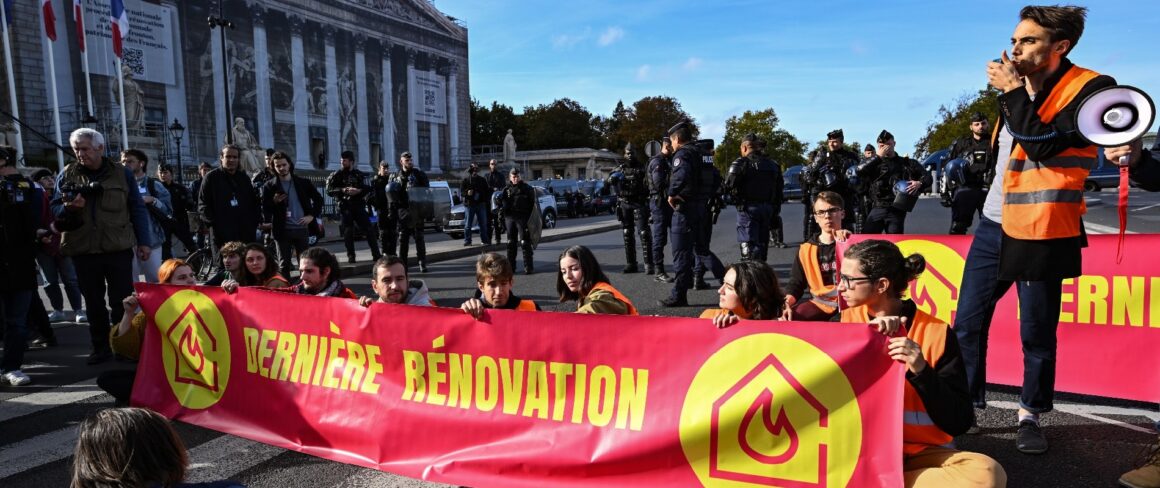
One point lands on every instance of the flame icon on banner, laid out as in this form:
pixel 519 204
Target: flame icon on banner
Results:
pixel 777 432
pixel 195 348
pixel 936 290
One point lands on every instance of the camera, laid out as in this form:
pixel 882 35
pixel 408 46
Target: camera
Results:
pixel 70 190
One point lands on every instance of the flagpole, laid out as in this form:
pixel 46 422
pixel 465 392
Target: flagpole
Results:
pixel 11 84
pixel 78 12
pixel 124 125
pixel 55 97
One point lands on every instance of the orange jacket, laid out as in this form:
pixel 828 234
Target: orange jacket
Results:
pixel 825 296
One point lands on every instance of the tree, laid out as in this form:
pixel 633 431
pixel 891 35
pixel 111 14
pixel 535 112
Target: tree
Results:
pixel 490 125
pixel 781 146
pixel 648 120
pixel 953 123
pixel 563 123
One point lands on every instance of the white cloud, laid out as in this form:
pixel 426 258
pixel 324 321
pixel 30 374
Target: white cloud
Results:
pixel 692 64
pixel 567 41
pixel 610 36
pixel 643 72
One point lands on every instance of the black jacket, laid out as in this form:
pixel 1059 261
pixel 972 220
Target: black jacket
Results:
pixel 980 162
pixel 21 208
pixel 348 178
pixel 827 262
pixel 754 180
pixel 496 180
pixel 517 200
pixel 475 190
pixel 882 173
pixel 275 213
pixel 230 221
pixel 407 179
pixel 658 176
pixel 943 386
pixel 181 201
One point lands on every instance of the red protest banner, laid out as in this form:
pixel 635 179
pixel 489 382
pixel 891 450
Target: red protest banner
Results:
pixel 528 398
pixel 1109 323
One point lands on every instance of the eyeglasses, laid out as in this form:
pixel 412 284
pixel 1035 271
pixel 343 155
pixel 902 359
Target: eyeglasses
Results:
pixel 827 211
pixel 850 281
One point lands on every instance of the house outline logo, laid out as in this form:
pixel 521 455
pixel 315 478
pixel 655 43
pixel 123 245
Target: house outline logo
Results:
pixel 195 348
pixel 771 410
pixel 936 290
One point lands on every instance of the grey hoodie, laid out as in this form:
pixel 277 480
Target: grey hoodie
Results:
pixel 417 294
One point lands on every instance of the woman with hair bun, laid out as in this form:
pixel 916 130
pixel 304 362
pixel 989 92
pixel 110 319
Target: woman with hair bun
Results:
pixel 936 406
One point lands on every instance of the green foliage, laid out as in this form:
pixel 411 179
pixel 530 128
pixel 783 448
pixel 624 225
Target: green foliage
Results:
pixel 781 146
pixel 563 123
pixel 953 123
pixel 647 120
pixel 490 125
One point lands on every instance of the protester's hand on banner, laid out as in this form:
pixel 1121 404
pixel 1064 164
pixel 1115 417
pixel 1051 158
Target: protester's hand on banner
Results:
pixel 230 286
pixel 907 352
pixel 841 235
pixel 365 301
pixel 887 324
pixel 724 320
pixel 473 307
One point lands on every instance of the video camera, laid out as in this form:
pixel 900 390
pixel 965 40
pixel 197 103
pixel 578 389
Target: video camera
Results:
pixel 70 190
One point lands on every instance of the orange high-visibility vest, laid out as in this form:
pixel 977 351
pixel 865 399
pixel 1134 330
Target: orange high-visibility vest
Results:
pixel 1044 199
pixel 918 430
pixel 825 296
pixel 617 294
pixel 526 306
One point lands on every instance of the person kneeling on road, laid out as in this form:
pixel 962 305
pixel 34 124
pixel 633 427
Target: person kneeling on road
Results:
pixel 815 266
pixel 581 279
pixel 749 291
pixel 495 277
pixel 390 282
pixel 319 273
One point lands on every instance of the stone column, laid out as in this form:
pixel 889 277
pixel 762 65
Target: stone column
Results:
pixel 436 152
pixel 453 113
pixel 412 130
pixel 333 124
pixel 362 130
pixel 175 99
pixel 221 125
pixel 389 152
pixel 302 157
pixel 265 117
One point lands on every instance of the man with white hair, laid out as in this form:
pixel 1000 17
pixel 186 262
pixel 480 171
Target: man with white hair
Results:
pixel 103 223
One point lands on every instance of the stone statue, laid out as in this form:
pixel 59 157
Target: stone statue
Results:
pixel 251 152
pixel 509 148
pixel 7 134
pixel 134 100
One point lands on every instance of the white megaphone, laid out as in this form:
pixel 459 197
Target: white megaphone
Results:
pixel 1115 116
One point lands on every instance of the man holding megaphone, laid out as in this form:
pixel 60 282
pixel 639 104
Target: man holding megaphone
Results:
pixel 1143 165
pixel 1031 232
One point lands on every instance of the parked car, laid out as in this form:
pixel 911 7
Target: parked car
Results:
pixel 454 222
pixel 792 183
pixel 1104 175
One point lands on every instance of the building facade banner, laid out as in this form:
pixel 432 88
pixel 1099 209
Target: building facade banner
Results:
pixel 428 96
pixel 1109 322
pixel 528 399
pixel 148 51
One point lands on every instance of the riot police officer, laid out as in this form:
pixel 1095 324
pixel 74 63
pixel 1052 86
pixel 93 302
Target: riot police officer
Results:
pixel 968 189
pixel 348 187
pixel 383 201
pixel 754 182
pixel 628 180
pixel 497 181
pixel 893 183
pixel 827 172
pixel 690 186
pixel 410 223
pixel 660 213
pixel 516 202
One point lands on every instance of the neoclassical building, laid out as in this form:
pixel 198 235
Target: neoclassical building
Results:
pixel 312 78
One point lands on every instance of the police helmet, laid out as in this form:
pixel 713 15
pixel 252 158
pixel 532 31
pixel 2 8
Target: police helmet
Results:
pixel 955 171
pixel 827 178
pixel 903 200
pixel 852 175
pixel 496 199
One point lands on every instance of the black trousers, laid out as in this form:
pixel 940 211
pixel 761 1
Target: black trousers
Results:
pixel 119 383
pixel 889 220
pixel 356 215
pixel 183 235
pixel 388 234
pixel 518 236
pixel 108 273
pixel 291 242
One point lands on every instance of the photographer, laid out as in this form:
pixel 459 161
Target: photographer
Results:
pixel 102 219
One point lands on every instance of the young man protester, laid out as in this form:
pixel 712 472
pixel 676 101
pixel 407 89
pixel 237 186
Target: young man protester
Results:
pixel 390 281
pixel 815 267
pixel 495 277
pixel 319 272
pixel 231 254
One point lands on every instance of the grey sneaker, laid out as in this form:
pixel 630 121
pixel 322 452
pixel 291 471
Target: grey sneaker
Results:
pixel 16 378
pixel 1030 439
pixel 82 317
pixel 56 316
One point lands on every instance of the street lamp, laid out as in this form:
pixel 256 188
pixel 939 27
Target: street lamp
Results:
pixel 176 130
pixel 221 22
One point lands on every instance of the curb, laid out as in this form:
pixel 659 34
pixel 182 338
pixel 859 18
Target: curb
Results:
pixel 456 253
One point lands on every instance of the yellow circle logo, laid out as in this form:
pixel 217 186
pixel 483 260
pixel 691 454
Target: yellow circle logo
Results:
pixel 936 291
pixel 771 410
pixel 195 348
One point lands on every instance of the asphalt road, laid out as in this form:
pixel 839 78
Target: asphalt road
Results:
pixel 1093 440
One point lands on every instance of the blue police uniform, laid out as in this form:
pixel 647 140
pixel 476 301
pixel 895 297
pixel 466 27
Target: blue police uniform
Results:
pixel 755 183
pixel 661 214
pixel 687 231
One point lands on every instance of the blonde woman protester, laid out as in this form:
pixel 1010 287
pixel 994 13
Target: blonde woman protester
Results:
pixel 936 404
pixel 581 279
pixel 748 291
pixel 259 268
pixel 128 336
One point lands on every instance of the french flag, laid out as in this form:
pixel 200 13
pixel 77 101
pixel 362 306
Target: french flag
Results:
pixel 49 19
pixel 79 17
pixel 120 22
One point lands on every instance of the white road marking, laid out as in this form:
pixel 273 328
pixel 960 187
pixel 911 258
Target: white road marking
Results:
pixel 1093 412
pixel 37 451
pixel 1145 208
pixel 61 395
pixel 1093 228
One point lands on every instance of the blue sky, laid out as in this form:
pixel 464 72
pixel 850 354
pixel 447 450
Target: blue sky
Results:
pixel 859 65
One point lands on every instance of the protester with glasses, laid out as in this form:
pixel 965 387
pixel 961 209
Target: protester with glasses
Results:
pixel 815 266
pixel 936 406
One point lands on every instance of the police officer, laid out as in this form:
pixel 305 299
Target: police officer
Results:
pixel 882 175
pixel 711 187
pixel 516 202
pixel 660 213
pixel 754 182
pixel 629 182
pixel 688 194
pixel 497 182
pixel 827 172
pixel 383 194
pixel 968 190
pixel 348 187
pixel 410 225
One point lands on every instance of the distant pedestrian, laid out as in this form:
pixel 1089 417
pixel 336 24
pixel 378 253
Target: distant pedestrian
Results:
pixel 477 198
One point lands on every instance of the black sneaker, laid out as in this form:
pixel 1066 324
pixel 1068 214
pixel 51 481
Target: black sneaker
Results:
pixel 673 302
pixel 350 259
pixel 1030 439
pixel 631 268
pixel 422 267
pixel 98 357
pixel 701 284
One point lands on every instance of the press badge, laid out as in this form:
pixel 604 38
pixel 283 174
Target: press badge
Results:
pixel 234 202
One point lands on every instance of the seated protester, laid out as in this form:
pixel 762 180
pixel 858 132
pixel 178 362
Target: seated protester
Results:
pixel 389 280
pixel 319 273
pixel 581 279
pixel 494 278
pixel 749 291
pixel 815 265
pixel 127 337
pixel 261 269
pixel 132 447
pixel 936 402
pixel 231 256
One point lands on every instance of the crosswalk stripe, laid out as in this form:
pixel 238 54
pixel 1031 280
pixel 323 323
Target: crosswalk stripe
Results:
pixel 226 456
pixel 61 395
pixel 36 451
